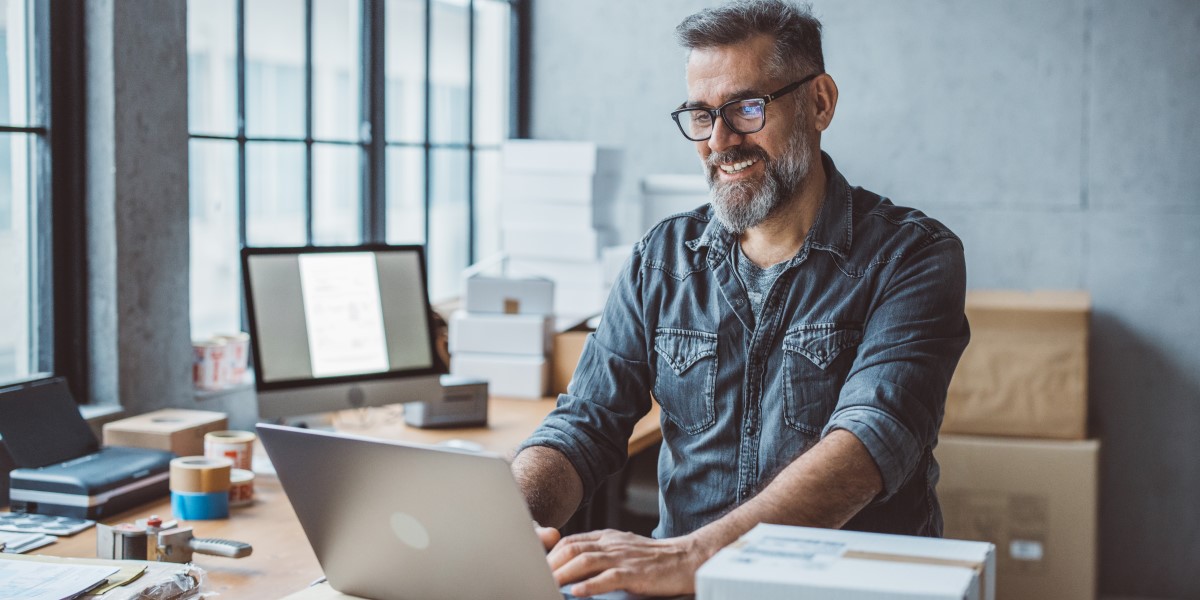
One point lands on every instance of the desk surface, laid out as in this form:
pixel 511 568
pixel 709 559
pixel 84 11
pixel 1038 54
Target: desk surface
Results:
pixel 283 562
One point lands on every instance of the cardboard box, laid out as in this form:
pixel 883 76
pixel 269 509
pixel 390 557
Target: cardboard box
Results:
pixel 577 188
pixel 568 347
pixel 509 295
pixel 561 272
pixel 666 195
pixel 558 157
pixel 549 214
pixel 509 376
pixel 173 429
pixel 556 243
pixel 775 562
pixel 1035 500
pixel 1024 374
pixel 581 300
pixel 501 334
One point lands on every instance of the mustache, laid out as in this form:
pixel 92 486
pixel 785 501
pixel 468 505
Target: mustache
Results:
pixel 733 155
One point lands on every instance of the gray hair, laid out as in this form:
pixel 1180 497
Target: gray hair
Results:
pixel 797 33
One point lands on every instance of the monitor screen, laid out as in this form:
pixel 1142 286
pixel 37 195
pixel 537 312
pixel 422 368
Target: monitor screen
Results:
pixel 330 317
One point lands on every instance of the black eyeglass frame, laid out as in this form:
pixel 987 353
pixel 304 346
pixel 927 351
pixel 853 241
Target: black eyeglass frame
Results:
pixel 720 110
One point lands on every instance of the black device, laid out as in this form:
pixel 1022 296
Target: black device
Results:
pixel 61 468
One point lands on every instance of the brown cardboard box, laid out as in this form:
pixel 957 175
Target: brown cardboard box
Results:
pixel 178 430
pixel 568 345
pixel 1024 374
pixel 1035 500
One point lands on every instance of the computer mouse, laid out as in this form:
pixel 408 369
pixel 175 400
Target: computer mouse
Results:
pixel 466 445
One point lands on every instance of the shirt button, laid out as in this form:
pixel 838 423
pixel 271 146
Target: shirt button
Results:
pixel 738 302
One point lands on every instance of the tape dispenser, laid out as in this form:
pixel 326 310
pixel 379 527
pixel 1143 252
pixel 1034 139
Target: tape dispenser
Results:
pixel 156 540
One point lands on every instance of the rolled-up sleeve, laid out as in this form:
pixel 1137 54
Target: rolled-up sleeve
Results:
pixel 609 391
pixel 895 394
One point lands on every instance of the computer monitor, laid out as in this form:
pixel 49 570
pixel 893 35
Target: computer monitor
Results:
pixel 337 328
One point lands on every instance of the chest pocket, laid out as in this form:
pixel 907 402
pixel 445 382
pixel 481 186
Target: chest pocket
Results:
pixel 687 377
pixel 816 359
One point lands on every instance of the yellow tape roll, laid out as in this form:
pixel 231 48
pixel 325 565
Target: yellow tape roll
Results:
pixel 198 474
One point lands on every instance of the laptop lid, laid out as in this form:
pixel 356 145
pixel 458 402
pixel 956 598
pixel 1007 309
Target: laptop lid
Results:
pixel 396 521
pixel 41 424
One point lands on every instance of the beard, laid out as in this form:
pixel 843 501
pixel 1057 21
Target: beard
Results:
pixel 742 205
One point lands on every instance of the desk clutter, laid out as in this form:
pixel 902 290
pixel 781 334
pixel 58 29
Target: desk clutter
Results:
pixel 220 362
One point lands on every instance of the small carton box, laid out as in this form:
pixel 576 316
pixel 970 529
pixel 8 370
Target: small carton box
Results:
pixel 175 429
pixel 552 156
pixel 777 562
pixel 1024 374
pixel 501 334
pixel 541 213
pixel 509 295
pixel 565 242
pixel 508 375
pixel 562 272
pixel 568 347
pixel 577 188
pixel 1036 500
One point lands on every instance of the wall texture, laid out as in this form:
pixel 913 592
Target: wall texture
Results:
pixel 1060 140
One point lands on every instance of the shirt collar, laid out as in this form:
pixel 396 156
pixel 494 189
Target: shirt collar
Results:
pixel 833 230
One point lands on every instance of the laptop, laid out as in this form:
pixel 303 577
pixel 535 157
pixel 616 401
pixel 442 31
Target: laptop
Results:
pixel 397 521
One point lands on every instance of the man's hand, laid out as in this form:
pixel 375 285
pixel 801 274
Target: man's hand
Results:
pixel 608 560
pixel 548 535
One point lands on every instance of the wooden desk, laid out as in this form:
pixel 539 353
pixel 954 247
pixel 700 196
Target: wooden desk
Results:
pixel 283 562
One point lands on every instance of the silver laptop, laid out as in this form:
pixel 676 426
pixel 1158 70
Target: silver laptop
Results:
pixel 395 521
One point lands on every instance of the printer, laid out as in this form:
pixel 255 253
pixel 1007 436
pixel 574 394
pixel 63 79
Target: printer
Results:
pixel 61 468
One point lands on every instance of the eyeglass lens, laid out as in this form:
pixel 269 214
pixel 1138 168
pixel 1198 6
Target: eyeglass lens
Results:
pixel 745 116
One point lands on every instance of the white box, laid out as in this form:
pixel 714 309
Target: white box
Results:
pixel 666 195
pixel 614 259
pixel 509 295
pixel 558 156
pixel 543 213
pixel 558 243
pixel 508 376
pixel 501 334
pixel 559 187
pixel 561 272
pixel 580 300
pixel 774 562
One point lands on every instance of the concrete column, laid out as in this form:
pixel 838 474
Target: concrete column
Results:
pixel 137 165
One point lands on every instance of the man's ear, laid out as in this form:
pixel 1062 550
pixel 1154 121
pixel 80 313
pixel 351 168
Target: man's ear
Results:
pixel 824 101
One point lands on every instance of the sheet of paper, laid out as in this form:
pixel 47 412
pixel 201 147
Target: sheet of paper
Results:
pixel 343 314
pixel 46 581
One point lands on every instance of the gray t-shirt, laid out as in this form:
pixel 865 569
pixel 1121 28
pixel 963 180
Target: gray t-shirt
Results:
pixel 756 280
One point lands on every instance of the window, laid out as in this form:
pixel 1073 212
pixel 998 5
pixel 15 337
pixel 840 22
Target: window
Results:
pixel 337 122
pixel 25 342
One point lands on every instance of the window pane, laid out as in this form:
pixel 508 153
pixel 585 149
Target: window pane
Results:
pixel 492 71
pixel 275 102
pixel 405 67
pixel 448 223
pixel 215 266
pixel 17 84
pixel 450 72
pixel 337 202
pixel 406 195
pixel 487 203
pixel 337 69
pixel 18 286
pixel 212 67
pixel 275 188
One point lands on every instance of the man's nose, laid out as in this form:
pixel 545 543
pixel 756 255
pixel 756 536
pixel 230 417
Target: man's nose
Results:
pixel 723 137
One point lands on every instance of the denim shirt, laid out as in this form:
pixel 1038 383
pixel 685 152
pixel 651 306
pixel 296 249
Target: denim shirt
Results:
pixel 860 332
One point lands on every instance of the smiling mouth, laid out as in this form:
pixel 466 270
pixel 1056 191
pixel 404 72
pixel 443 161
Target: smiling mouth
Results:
pixel 738 166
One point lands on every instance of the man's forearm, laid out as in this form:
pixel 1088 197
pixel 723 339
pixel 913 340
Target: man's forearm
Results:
pixel 824 487
pixel 552 488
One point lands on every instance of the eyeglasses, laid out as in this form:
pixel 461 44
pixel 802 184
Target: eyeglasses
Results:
pixel 744 116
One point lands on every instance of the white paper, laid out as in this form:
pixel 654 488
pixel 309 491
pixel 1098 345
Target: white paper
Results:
pixel 343 314
pixel 31 580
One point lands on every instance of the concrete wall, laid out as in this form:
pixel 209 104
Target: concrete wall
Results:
pixel 1060 140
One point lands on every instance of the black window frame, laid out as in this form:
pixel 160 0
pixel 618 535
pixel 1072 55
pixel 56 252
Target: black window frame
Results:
pixel 373 192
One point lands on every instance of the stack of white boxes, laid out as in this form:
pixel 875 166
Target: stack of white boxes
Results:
pixel 505 335
pixel 557 207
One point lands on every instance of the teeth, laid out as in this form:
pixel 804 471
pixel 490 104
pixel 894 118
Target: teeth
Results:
pixel 735 167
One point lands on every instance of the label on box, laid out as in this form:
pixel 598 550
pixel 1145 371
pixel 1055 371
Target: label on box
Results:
pixel 1017 521
pixel 786 552
pixel 1025 550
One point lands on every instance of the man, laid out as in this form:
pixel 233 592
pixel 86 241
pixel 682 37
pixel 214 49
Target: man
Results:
pixel 798 333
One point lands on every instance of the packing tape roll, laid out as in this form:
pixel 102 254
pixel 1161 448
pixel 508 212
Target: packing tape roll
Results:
pixel 237 446
pixel 199 507
pixel 241 487
pixel 200 474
